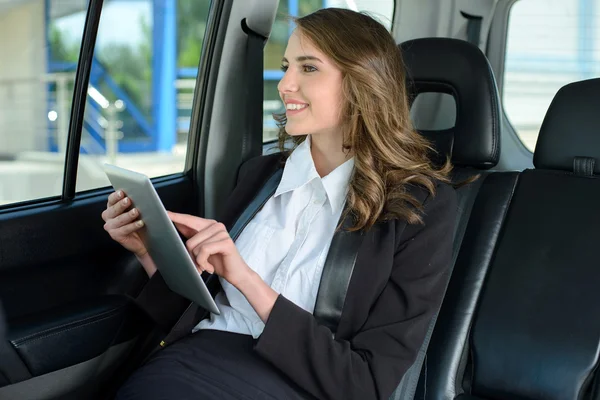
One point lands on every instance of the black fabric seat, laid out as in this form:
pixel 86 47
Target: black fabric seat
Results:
pixel 473 143
pixel 519 319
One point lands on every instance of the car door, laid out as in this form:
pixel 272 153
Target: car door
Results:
pixel 116 85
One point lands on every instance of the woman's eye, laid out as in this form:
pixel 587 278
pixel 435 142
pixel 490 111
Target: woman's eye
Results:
pixel 284 68
pixel 308 68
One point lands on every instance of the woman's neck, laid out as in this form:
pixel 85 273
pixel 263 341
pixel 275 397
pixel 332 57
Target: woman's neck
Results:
pixel 327 153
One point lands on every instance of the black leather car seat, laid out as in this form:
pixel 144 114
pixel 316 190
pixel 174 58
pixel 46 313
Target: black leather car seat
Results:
pixel 519 320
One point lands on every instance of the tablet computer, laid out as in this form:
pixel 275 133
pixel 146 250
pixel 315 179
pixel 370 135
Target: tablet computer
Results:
pixel 161 238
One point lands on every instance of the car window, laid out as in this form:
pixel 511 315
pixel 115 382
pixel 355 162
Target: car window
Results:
pixel 550 44
pixel 383 10
pixel 36 90
pixel 142 82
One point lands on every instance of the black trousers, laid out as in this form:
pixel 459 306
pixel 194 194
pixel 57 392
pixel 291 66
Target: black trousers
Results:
pixel 210 364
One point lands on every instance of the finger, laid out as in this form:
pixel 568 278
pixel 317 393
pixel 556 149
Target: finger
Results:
pixel 190 221
pixel 122 219
pixel 220 235
pixel 116 209
pixel 121 233
pixel 217 237
pixel 208 249
pixel 209 267
pixel 185 230
pixel 114 197
pixel 204 234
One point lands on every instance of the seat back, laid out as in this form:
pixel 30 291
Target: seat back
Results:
pixel 519 319
pixel 460 69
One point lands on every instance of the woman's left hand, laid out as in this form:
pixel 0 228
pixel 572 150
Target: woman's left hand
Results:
pixel 211 247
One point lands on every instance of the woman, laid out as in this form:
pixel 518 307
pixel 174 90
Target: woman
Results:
pixel 357 166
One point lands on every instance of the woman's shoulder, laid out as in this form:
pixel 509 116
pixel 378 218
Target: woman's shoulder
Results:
pixel 437 208
pixel 438 212
pixel 443 193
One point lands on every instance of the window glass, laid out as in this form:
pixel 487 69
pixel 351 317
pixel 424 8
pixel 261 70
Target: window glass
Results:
pixel 37 71
pixel 383 10
pixel 142 81
pixel 433 111
pixel 550 44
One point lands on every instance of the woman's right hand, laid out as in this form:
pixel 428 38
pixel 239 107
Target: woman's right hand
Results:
pixel 122 223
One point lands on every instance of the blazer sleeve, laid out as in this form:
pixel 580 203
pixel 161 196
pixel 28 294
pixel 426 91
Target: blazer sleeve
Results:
pixel 371 364
pixel 2 324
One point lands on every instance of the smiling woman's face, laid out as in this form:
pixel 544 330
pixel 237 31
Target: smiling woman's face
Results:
pixel 310 89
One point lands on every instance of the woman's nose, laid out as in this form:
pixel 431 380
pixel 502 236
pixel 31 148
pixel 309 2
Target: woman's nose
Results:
pixel 288 83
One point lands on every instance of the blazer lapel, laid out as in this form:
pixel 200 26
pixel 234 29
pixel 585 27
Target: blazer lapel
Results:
pixel 336 276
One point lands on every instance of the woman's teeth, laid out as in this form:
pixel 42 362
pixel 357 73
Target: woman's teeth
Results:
pixel 295 106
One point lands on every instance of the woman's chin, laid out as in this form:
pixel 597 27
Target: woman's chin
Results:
pixel 294 131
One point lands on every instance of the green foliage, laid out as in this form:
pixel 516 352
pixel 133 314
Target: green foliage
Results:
pixel 61 48
pixel 192 16
pixel 131 68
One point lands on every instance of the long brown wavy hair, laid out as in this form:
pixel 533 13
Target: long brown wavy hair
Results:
pixel 389 154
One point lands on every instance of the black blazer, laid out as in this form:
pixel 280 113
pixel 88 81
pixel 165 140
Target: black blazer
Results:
pixel 2 324
pixel 396 286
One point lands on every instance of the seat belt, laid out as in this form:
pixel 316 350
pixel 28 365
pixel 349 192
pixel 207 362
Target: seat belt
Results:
pixel 336 276
pixel 251 143
pixel 473 27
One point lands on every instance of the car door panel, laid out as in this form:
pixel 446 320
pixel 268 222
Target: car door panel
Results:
pixel 68 289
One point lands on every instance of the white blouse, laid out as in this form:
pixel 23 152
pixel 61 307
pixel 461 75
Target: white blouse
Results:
pixel 287 241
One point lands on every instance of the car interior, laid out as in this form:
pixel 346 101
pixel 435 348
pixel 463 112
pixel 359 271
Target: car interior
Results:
pixel 509 90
